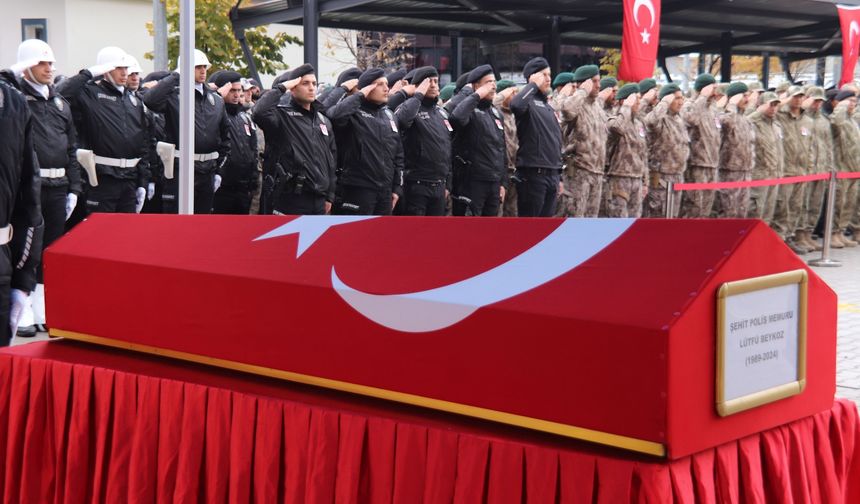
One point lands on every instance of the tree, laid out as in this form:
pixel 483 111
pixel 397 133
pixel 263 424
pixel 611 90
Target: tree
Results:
pixel 371 49
pixel 214 36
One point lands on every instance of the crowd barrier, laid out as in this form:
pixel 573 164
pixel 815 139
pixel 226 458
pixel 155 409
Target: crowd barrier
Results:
pixel 825 259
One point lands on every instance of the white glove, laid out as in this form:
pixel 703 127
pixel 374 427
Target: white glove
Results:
pixel 97 70
pixel 18 301
pixel 71 203
pixel 18 70
pixel 150 190
pixel 141 194
pixel 217 182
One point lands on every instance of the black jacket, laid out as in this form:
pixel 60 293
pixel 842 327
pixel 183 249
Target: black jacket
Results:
pixel 305 140
pixel 426 132
pixel 480 131
pixel 19 191
pixel 110 123
pixel 210 120
pixel 538 130
pixel 373 152
pixel 241 169
pixel 157 133
pixel 54 136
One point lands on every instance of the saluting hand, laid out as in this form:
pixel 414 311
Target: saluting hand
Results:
pixel 736 99
pixel 350 85
pixel 225 90
pixel 398 85
pixel 568 89
pixel 668 99
pixel 605 94
pixel 587 86
pixel 708 90
pixel 290 84
pixel 486 89
pixel 423 87
pixel 631 100
pixel 366 90
pixel 539 79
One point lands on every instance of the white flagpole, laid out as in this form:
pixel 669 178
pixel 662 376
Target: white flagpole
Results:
pixel 186 107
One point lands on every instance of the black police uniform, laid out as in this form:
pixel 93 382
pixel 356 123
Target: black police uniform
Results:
pixel 113 124
pixel 210 137
pixel 304 174
pixel 539 155
pixel 372 154
pixel 427 151
pixel 19 202
pixel 481 147
pixel 240 171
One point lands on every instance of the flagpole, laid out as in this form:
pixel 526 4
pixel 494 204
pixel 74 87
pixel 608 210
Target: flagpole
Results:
pixel 186 108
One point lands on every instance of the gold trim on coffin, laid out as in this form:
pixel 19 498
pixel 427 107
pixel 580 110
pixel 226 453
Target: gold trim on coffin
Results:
pixel 605 438
pixel 724 407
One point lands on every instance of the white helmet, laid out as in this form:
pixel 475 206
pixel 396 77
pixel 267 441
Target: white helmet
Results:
pixel 199 59
pixel 133 65
pixel 33 51
pixel 113 57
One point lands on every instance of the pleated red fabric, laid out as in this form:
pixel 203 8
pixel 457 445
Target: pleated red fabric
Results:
pixel 78 433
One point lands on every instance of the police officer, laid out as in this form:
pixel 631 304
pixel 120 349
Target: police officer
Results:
pixel 426 131
pixel 373 153
pixel 304 177
pixel 211 137
pixel 668 151
pixel 20 216
pixel 240 171
pixel 736 152
pixel 345 86
pixel 55 140
pixel 628 167
pixel 481 137
pixel 539 153
pixel 158 132
pixel 705 137
pixel 113 133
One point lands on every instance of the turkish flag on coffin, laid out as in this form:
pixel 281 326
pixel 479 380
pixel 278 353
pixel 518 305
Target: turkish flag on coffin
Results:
pixel 641 39
pixel 849 20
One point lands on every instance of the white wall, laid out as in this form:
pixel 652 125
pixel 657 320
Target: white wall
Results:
pixel 10 26
pixel 330 60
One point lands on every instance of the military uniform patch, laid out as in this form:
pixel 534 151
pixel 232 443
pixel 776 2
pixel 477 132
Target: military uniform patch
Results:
pixel 211 99
pixel 59 103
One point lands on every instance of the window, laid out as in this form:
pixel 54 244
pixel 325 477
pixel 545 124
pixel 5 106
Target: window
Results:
pixel 34 29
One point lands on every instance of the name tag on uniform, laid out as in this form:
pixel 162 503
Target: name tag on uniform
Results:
pixel 393 126
pixel 323 129
pixel 717 122
pixel 499 124
pixel 447 125
pixel 804 131
pixel 247 129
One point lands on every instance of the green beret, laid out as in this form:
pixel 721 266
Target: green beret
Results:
pixel 646 85
pixel 626 90
pixel 736 88
pixel 562 79
pixel 704 81
pixel 668 89
pixel 585 72
pixel 608 82
pixel 447 92
pixel 504 84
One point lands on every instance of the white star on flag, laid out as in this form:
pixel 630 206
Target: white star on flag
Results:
pixel 646 37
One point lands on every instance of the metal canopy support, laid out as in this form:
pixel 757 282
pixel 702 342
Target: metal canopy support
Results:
pixel 765 70
pixel 786 67
pixel 820 69
pixel 726 57
pixel 665 67
pixel 186 107
pixel 310 23
pixel 246 51
pixel 456 57
pixel 553 46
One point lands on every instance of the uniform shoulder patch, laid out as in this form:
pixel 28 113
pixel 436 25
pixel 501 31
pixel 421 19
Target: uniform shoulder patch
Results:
pixel 211 98
pixel 496 112
pixel 59 103
pixel 2 97
pixel 442 112
pixel 389 114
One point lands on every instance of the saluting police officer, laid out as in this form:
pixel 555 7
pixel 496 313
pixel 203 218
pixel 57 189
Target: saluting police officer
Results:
pixel 426 132
pixel 113 133
pixel 19 183
pixel 373 153
pixel 211 137
pixel 304 178
pixel 481 138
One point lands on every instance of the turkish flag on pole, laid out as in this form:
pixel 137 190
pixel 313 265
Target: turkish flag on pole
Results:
pixel 640 40
pixel 849 20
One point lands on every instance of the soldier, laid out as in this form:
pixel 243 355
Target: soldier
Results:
pixel 344 87
pixel 373 153
pixel 769 157
pixel 584 123
pixel 505 91
pixel 303 175
pixel 426 131
pixel 756 89
pixel 669 149
pixel 211 136
pixel 446 93
pixel 610 83
pixel 113 132
pixel 648 91
pixel 704 127
pixel 821 161
pixel 846 138
pixel 558 83
pixel 481 135
pixel 736 152
pixel 19 183
pixel 797 128
pixel 628 168
pixel 55 140
pixel 539 134
pixel 240 171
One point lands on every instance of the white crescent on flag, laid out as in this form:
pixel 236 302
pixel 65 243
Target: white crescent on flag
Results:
pixel 648 5
pixel 853 32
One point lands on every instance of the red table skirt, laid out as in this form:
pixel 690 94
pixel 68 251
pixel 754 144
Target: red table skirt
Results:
pixel 81 424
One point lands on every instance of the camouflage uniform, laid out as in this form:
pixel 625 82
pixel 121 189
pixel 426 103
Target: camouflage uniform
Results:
pixel 628 168
pixel 797 148
pixel 736 162
pixel 769 159
pixel 584 127
pixel 669 149
pixel 509 206
pixel 821 161
pixel 704 127
pixel 846 138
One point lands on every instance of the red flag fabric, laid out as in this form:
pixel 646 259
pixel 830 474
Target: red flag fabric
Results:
pixel 640 40
pixel 849 20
